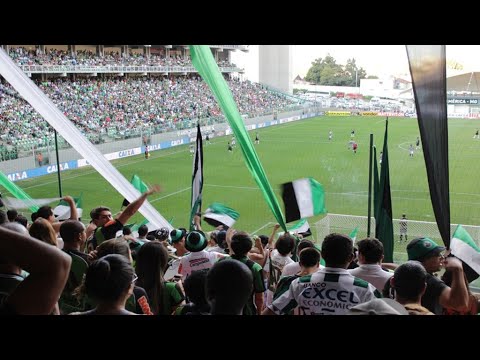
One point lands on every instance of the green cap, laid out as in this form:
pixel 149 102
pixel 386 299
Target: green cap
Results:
pixel 418 248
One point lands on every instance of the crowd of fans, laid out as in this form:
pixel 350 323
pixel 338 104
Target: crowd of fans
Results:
pixel 121 105
pixel 106 270
pixel 22 56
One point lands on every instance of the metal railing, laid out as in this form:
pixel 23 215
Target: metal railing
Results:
pixel 39 69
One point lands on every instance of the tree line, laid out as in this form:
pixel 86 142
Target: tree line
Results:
pixel 327 72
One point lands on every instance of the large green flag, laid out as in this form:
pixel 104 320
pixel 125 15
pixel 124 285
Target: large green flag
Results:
pixel 383 219
pixel 137 184
pixel 16 191
pixel 204 62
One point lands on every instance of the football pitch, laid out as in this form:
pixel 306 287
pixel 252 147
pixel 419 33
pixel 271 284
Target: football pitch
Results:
pixel 287 152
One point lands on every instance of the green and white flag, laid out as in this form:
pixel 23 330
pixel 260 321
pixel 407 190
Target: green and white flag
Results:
pixel 62 211
pixel 303 198
pixel 26 203
pixel 301 227
pixel 18 193
pixel 353 234
pixel 218 214
pixel 464 247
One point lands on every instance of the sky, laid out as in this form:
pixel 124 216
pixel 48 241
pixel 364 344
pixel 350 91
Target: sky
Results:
pixel 375 59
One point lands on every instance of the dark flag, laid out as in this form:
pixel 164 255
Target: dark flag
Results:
pixel 383 214
pixel 376 184
pixel 197 178
pixel 428 69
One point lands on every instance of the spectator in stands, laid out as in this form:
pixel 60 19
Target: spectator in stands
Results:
pixel 409 284
pixel 107 227
pixel 74 237
pixel 138 302
pixel 294 268
pixel 309 263
pixel 152 262
pixel 278 258
pixel 177 237
pixel 473 299
pixel 241 244
pixel 437 295
pixel 370 257
pixel 48 269
pixel 229 287
pixel 46 212
pixel 22 220
pixel 3 217
pixel 42 230
pixel 308 294
pixel 198 258
pixel 109 281
pixel 194 287
pixel 12 215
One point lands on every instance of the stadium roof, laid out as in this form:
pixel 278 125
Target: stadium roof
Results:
pixel 467 81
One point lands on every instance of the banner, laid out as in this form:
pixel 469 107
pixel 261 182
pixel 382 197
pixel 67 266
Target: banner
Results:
pixel 429 81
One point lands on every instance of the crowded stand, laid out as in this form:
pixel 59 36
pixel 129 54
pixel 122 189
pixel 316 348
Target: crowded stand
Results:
pixel 103 269
pixel 120 105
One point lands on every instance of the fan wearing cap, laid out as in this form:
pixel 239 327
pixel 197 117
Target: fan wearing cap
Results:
pixel 199 258
pixel 177 240
pixel 438 294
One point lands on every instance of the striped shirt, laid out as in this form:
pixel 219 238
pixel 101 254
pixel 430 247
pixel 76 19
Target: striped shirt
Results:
pixel 329 291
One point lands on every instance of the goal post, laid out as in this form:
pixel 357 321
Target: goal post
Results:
pixel 344 224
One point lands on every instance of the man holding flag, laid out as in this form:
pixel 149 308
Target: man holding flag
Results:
pixel 438 295
pixel 107 226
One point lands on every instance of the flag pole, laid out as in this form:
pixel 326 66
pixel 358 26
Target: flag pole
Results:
pixel 58 165
pixel 370 185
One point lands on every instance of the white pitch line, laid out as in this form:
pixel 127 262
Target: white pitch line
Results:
pixel 263 227
pixel 234 187
pixel 171 194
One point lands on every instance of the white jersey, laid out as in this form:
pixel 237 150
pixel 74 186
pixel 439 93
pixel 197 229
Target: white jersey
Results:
pixel 329 291
pixel 372 273
pixel 294 268
pixel 197 261
pixel 274 266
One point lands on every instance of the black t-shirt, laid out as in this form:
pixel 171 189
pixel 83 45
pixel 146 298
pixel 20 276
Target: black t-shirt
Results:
pixel 140 293
pixel 430 299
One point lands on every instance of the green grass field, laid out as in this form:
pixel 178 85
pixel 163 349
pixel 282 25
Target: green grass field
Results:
pixel 289 152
